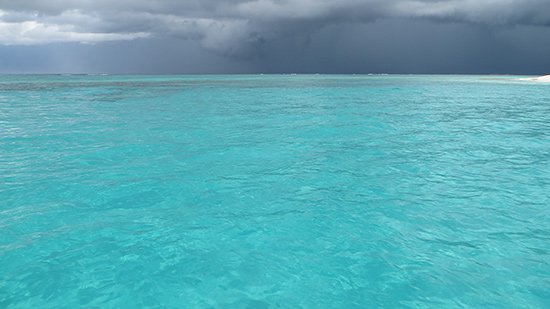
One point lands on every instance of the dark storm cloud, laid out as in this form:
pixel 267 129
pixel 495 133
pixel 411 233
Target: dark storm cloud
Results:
pixel 206 36
pixel 234 26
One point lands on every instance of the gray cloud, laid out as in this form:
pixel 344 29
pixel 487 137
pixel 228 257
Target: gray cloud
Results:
pixel 236 27
pixel 263 36
pixel 383 46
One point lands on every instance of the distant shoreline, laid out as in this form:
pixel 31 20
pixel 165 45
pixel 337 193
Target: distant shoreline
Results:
pixel 525 76
pixel 541 79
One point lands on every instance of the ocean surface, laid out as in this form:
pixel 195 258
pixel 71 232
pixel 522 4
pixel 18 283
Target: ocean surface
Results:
pixel 274 191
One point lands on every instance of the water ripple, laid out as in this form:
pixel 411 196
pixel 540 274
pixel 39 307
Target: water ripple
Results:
pixel 274 191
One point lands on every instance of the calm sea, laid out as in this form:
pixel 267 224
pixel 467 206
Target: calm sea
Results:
pixel 274 191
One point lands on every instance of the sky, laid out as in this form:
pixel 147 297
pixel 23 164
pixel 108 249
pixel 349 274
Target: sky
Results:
pixel 275 36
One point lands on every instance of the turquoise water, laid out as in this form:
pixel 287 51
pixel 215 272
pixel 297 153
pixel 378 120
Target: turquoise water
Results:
pixel 274 192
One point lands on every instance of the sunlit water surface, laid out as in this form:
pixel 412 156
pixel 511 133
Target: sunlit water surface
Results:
pixel 274 192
